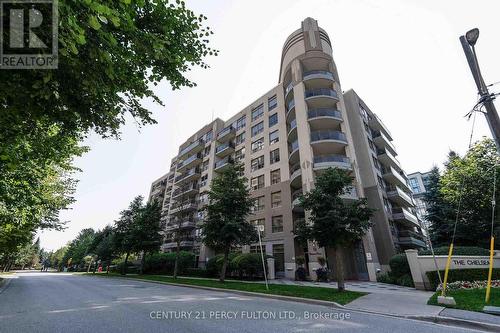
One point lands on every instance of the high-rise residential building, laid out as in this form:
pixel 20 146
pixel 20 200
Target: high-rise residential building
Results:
pixel 284 139
pixel 418 182
pixel 395 224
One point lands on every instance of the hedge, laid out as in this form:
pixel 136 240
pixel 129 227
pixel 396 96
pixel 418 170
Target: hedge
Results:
pixel 240 265
pixel 163 263
pixel 459 250
pixel 473 274
pixel 399 265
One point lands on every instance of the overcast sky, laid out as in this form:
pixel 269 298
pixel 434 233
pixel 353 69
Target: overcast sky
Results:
pixel 403 58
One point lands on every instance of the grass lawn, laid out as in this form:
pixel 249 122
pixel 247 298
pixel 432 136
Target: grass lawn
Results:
pixel 471 299
pixel 319 293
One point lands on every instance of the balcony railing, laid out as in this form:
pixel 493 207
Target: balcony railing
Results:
pixel 224 147
pixel 321 92
pixel 290 105
pixel 184 190
pixel 324 112
pixel 293 125
pixel 328 135
pixel 223 162
pixel 191 146
pixel 293 146
pixel 189 173
pixel 288 88
pixel 226 131
pixel 188 160
pixel 318 74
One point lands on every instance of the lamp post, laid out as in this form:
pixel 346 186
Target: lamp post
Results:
pixel 259 229
pixel 468 44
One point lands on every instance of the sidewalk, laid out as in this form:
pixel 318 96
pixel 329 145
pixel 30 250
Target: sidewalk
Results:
pixel 399 301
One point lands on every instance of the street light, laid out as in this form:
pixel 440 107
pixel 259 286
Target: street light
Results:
pixel 472 36
pixel 259 229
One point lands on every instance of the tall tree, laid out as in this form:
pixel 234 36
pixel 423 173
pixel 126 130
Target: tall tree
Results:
pixel 468 182
pixel 103 246
pixel 79 248
pixel 335 223
pixel 226 225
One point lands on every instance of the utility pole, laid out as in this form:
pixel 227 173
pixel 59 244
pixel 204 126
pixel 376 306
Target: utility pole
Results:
pixel 468 42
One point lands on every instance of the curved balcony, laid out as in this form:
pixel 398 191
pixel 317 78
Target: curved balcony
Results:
pixel 318 75
pixel 295 175
pixel 292 130
pixel 290 106
pixel 326 142
pixel 293 149
pixel 324 117
pixel 321 98
pixel 288 89
pixel 332 161
pixel 296 201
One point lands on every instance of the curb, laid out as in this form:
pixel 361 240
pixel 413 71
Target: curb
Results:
pixel 448 321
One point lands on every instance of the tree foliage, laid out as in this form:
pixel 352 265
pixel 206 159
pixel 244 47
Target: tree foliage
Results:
pixel 226 225
pixel 334 222
pixel 468 180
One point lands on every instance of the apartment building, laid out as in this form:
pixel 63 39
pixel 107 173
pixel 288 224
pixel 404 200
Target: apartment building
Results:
pixel 284 139
pixel 395 224
pixel 418 182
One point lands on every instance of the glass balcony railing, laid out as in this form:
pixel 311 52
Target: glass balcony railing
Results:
pixel 190 172
pixel 321 92
pixel 324 112
pixel 190 147
pixel 318 74
pixel 225 132
pixel 293 146
pixel 223 162
pixel 224 147
pixel 293 125
pixel 288 88
pixel 328 135
pixel 331 158
pixel 188 160
pixel 290 105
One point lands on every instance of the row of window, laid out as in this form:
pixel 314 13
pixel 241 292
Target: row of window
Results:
pixel 259 128
pixel 258 162
pixel 276 223
pixel 258 182
pixel 259 202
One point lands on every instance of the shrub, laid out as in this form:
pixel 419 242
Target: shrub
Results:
pixel 322 274
pixel 399 266
pixel 131 268
pixel 470 275
pixel 163 263
pixel 214 264
pixel 321 261
pixel 405 280
pixel 197 272
pixel 300 260
pixel 459 250
pixel 300 274
pixel 248 265
pixel 386 278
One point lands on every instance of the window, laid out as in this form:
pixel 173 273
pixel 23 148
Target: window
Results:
pixel 241 123
pixel 204 198
pixel 239 155
pixel 274 137
pixel 415 187
pixel 380 182
pixel 257 182
pixel 257 163
pixel 257 129
pixel 370 143
pixel 259 204
pixel 240 138
pixel 277 224
pixel 207 151
pixel 275 176
pixel 256 249
pixel 204 180
pixel 258 112
pixel 257 145
pixel 376 163
pixel 261 222
pixel 275 156
pixel 204 166
pixel 208 136
pixel 275 199
pixel 273 119
pixel 272 102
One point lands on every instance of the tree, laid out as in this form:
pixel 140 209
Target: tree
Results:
pixel 467 181
pixel 334 223
pixel 79 248
pixel 226 226
pixel 104 246
pixel 111 54
pixel 139 229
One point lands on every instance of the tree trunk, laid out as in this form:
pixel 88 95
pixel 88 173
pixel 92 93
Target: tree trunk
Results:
pixel 124 269
pixel 339 268
pixel 143 262
pixel 224 265
pixel 176 264
pixel 107 268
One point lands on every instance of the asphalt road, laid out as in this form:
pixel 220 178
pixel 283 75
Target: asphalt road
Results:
pixel 52 302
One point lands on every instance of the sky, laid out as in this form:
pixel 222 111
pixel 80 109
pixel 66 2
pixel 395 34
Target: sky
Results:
pixel 402 57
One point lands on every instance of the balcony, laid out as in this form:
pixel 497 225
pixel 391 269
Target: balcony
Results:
pixel 397 195
pixel 292 130
pixel 296 200
pixel 405 216
pixel 385 156
pixel 325 142
pixel 173 245
pixel 318 75
pixel 411 239
pixel 288 89
pixel 183 207
pixel 324 117
pixel 321 93
pixel 290 106
pixel 332 161
pixel 186 191
pixel 328 135
pixel 193 148
pixel 226 134
pixel 189 175
pixel 293 149
pixel 183 224
pixel 223 164
pixel 392 176
pixel 378 125
pixel 382 141
pixel 224 149
pixel 189 162
pixel 295 175
pixel 350 194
